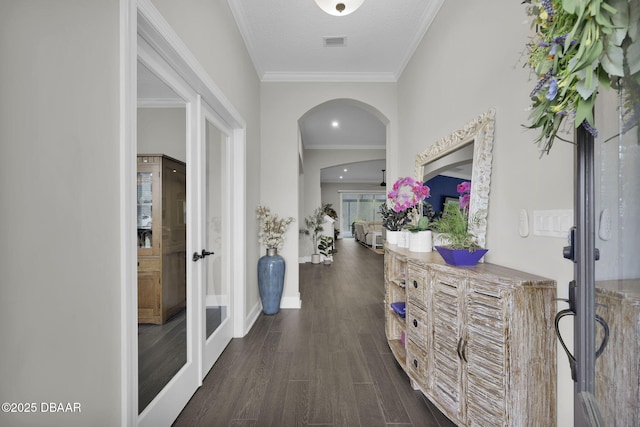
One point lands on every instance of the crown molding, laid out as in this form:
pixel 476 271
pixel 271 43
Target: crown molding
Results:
pixel 331 77
pixel 428 17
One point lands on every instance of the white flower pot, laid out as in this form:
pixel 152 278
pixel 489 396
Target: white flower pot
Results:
pixel 420 241
pixel 403 239
pixel 315 259
pixel 392 237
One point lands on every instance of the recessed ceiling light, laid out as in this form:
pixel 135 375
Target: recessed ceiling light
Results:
pixel 340 176
pixel 335 124
pixel 345 169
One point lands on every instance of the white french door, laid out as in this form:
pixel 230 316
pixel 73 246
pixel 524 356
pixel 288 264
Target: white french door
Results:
pixel 161 90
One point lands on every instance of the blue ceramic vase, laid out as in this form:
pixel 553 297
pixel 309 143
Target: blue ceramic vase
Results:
pixel 271 280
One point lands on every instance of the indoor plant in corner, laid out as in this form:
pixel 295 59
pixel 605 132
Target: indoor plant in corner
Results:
pixel 462 248
pixel 271 267
pixel 313 227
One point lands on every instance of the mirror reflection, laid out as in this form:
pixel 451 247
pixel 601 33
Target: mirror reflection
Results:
pixel 444 174
pixel 463 155
pixel 161 225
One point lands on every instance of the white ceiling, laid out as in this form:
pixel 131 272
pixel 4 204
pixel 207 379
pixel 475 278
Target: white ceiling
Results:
pixel 342 124
pixel 285 39
pixel 368 172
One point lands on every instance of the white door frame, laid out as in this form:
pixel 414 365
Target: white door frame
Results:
pixel 140 17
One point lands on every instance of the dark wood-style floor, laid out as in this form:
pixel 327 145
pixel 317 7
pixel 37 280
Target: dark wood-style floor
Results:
pixel 162 351
pixel 325 364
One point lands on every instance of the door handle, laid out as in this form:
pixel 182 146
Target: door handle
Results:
pixel 197 256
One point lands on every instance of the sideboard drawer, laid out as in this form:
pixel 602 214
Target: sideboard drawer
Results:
pixel 417 365
pixel 416 287
pixel 416 325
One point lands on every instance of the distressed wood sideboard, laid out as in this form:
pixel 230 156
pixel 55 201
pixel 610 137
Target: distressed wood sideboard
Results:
pixel 618 368
pixel 477 341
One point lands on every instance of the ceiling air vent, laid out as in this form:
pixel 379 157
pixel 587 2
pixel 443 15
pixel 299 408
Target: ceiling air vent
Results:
pixel 334 41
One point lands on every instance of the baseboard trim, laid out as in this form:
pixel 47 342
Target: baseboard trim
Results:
pixel 291 302
pixel 251 318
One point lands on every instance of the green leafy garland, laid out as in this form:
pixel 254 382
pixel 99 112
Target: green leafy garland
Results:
pixel 579 45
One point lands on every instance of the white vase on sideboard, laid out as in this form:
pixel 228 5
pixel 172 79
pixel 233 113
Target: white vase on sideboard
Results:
pixel 403 239
pixel 392 237
pixel 421 241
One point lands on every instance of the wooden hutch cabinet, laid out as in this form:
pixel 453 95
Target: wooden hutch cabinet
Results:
pixel 477 341
pixel 162 252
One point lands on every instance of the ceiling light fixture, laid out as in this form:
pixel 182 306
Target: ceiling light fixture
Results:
pixel 383 184
pixel 339 7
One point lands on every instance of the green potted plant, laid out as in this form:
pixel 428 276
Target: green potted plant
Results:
pixel 326 248
pixel 313 227
pixel 461 247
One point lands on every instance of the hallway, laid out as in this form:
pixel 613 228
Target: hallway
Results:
pixel 325 364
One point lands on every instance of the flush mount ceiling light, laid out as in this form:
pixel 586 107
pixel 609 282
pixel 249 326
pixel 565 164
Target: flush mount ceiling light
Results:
pixel 339 7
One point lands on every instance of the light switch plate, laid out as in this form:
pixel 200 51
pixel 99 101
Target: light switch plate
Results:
pixel 552 223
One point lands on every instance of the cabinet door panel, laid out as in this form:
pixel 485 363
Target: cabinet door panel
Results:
pixel 486 354
pixel 149 297
pixel 447 369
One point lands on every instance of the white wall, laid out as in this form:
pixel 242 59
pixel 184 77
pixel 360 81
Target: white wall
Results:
pixel 162 131
pixel 282 105
pixel 466 64
pixel 59 181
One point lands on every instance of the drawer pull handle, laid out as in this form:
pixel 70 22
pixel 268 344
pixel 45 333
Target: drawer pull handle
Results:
pixel 415 363
pixel 415 284
pixel 415 323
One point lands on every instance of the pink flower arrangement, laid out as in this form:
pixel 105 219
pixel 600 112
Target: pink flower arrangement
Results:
pixel 464 189
pixel 407 193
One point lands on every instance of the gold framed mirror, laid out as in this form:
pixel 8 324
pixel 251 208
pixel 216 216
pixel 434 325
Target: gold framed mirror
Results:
pixel 470 145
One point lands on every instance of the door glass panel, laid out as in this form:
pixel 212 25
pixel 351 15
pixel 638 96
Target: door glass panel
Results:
pixel 162 227
pixel 617 270
pixel 359 206
pixel 217 286
pixel 145 209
